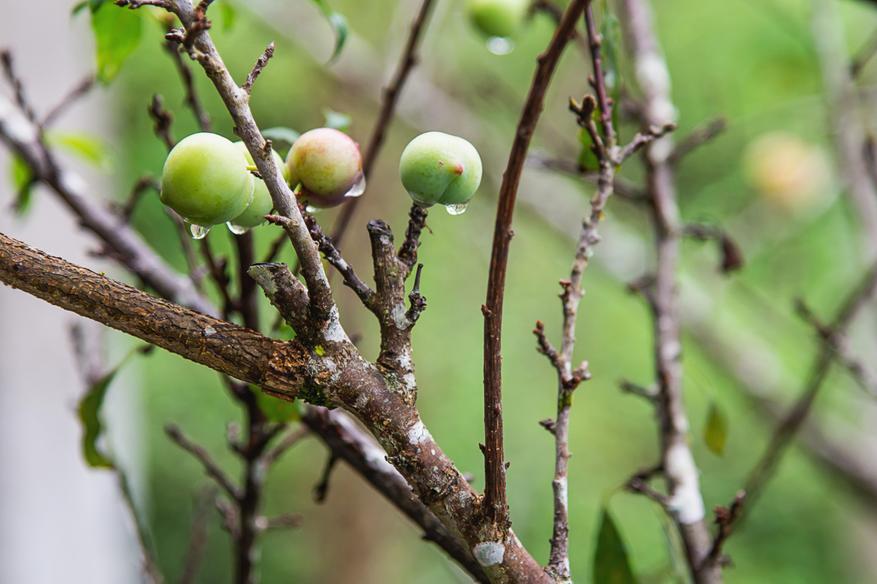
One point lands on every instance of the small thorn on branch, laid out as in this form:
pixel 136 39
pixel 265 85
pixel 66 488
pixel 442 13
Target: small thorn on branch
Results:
pixel 548 424
pixel 731 255
pixel 648 393
pixel 260 65
pixel 417 300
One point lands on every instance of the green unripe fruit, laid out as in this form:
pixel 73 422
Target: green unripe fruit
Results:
pixel 497 18
pixel 205 179
pixel 262 204
pixel 440 168
pixel 327 165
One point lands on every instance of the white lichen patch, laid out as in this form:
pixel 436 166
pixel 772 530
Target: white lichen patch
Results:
pixel 334 331
pixel 398 316
pixel 418 433
pixel 685 501
pixel 209 331
pixel 489 553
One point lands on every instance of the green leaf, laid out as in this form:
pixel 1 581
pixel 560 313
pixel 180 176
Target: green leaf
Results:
pixel 22 183
pixel 338 24
pixel 117 34
pixel 87 147
pixel 337 120
pixel 275 409
pixel 611 564
pixel 280 134
pixel 228 14
pixel 92 426
pixel 715 433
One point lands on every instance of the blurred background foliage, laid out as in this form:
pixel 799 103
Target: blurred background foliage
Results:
pixel 752 62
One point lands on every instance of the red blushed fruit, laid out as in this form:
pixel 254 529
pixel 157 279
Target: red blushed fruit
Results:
pixel 326 165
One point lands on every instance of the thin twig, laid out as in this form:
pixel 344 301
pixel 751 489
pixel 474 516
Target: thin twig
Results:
pixel 332 255
pixel 200 453
pixel 495 501
pixel 78 91
pixel 697 138
pixel 257 69
pixel 790 423
pixel 684 499
pixel 162 120
pixel 390 97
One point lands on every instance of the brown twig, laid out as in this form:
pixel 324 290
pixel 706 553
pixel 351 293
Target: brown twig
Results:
pixel 332 255
pixel 416 222
pixel 792 421
pixel 78 91
pixel 25 139
pixel 495 502
pixel 257 69
pixel 212 469
pixel 14 81
pixel 684 500
pixel 162 121
pixel 697 138
pixel 388 106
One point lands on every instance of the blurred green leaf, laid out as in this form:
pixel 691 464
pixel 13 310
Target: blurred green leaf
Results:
pixel 337 120
pixel 117 34
pixel 611 564
pixel 228 15
pixel 280 134
pixel 715 433
pixel 22 184
pixel 92 426
pixel 587 158
pixel 87 147
pixel 92 5
pixel 338 24
pixel 276 409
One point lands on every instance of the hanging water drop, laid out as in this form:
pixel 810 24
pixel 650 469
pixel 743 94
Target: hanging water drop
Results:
pixel 236 229
pixel 311 209
pixel 500 45
pixel 358 187
pixel 456 209
pixel 198 231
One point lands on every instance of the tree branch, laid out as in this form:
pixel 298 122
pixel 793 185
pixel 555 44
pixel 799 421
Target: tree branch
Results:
pixel 684 501
pixel 225 347
pixel 25 139
pixel 495 502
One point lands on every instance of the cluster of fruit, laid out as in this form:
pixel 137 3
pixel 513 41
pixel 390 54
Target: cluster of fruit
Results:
pixel 209 180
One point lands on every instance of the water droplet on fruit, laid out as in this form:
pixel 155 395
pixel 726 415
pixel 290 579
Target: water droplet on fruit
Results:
pixel 236 229
pixel 198 231
pixel 500 45
pixel 358 187
pixel 456 209
pixel 311 209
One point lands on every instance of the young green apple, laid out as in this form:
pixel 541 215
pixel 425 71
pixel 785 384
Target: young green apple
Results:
pixel 205 179
pixel 440 168
pixel 261 205
pixel 497 18
pixel 327 165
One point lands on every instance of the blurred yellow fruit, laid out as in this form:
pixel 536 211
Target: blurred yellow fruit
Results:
pixel 787 170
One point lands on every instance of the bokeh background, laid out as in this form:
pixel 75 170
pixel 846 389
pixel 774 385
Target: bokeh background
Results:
pixel 754 63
